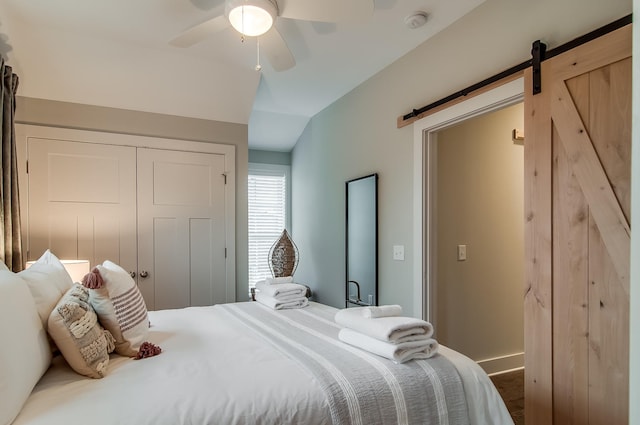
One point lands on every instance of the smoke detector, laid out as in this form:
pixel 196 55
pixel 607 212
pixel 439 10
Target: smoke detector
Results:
pixel 416 20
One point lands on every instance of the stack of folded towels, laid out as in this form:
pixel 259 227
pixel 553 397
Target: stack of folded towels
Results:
pixel 281 293
pixel 384 331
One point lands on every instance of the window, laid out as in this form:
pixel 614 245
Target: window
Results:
pixel 268 199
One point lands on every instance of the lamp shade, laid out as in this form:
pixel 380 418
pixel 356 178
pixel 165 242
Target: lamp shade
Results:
pixel 76 268
pixel 251 17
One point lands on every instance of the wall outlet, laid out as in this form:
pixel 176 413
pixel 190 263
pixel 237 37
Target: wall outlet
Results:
pixel 398 252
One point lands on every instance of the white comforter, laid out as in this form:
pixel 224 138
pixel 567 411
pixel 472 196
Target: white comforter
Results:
pixel 212 371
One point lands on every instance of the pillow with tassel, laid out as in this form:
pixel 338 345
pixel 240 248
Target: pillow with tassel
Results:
pixel 121 309
pixel 74 327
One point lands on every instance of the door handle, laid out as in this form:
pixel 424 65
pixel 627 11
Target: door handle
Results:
pixel 144 274
pixel 132 274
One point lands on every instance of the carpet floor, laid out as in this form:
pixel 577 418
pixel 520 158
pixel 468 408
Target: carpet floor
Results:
pixel 510 385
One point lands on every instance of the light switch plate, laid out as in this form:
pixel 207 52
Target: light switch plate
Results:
pixel 398 252
pixel 462 252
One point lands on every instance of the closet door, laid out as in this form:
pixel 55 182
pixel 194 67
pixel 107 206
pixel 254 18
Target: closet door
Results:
pixel 81 201
pixel 181 228
pixel 577 235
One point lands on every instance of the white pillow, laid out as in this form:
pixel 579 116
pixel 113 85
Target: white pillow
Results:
pixel 24 349
pixel 60 277
pixel 120 308
pixel 48 280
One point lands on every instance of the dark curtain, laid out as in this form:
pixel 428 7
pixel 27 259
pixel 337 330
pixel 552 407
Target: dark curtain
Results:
pixel 11 243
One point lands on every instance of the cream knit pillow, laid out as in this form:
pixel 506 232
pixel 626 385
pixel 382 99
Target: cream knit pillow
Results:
pixel 74 327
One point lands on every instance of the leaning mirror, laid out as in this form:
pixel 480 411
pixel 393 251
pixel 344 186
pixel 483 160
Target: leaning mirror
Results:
pixel 362 241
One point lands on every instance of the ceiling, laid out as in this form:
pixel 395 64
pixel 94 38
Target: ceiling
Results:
pixel 116 54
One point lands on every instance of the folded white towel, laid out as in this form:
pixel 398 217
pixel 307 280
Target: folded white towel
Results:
pixel 395 329
pixel 276 280
pixel 287 298
pixel 282 290
pixel 399 353
pixel 281 305
pixel 374 312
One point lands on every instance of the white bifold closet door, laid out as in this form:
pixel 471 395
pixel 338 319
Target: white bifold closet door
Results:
pixel 82 201
pixel 160 214
pixel 181 228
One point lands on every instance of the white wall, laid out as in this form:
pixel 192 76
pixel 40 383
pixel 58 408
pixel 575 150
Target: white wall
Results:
pixel 144 75
pixel 357 135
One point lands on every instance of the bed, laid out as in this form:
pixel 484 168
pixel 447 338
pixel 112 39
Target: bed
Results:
pixel 245 363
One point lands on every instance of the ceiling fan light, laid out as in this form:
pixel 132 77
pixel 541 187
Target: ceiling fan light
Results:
pixel 251 17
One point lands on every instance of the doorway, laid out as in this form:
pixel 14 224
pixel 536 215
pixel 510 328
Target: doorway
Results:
pixel 425 246
pixel 478 257
pixel 425 154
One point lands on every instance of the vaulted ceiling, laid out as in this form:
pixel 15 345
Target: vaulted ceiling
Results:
pixel 117 54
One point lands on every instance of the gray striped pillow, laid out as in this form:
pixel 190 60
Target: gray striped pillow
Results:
pixel 120 308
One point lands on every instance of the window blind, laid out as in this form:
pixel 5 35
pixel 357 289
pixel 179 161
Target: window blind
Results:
pixel 267 220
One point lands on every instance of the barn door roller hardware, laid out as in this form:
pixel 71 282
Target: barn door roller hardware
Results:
pixel 538 50
pixel 539 54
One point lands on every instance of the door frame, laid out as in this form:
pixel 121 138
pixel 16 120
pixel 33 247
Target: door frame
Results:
pixel 424 184
pixel 26 131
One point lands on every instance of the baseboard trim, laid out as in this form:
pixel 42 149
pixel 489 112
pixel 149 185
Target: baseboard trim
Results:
pixel 502 364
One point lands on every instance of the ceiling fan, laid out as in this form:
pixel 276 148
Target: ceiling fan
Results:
pixel 255 18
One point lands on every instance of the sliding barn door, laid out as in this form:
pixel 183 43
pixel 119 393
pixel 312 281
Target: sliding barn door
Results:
pixel 577 208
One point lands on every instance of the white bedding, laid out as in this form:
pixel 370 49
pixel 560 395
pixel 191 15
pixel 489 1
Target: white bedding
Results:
pixel 212 371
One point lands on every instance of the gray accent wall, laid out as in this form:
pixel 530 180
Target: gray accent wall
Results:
pixel 112 120
pixel 357 134
pixel 257 156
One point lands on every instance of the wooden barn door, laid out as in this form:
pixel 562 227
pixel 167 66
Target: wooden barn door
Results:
pixel 577 232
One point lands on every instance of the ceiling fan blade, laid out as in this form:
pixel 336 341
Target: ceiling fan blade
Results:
pixel 199 32
pixel 276 50
pixel 327 10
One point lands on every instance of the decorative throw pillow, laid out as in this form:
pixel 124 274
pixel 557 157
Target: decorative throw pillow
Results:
pixel 74 327
pixel 119 305
pixel 24 351
pixel 48 280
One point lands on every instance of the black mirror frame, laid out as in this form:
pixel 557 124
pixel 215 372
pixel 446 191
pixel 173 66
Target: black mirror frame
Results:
pixel 359 302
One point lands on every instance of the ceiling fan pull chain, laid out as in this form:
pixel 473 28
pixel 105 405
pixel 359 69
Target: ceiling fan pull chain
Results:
pixel 242 32
pixel 258 66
